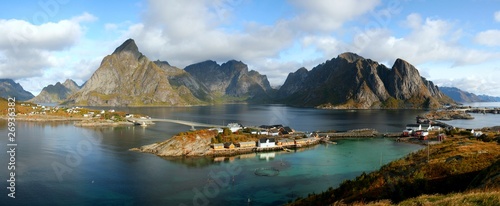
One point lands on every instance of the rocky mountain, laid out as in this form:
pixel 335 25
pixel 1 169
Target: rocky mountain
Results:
pixel 459 95
pixel 462 96
pixel 231 80
pixel 351 81
pixel 56 93
pixel 487 98
pixel 9 88
pixel 127 77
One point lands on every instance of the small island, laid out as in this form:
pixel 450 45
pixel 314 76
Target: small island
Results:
pixel 232 140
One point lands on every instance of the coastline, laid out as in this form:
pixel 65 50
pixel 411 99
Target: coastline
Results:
pixel 44 118
pixel 78 121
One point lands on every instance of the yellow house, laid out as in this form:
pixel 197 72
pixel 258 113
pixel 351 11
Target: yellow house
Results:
pixel 229 145
pixel 246 144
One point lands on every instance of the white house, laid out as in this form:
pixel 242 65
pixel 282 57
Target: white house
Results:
pixel 274 132
pixel 234 127
pixel 218 129
pixel 477 133
pixel 416 127
pixel 266 142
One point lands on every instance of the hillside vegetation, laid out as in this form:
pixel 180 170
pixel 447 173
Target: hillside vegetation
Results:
pixel 460 170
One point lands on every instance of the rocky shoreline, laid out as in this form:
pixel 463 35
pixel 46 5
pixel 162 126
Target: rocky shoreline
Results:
pixel 196 144
pixel 100 123
pixel 78 121
pixel 44 118
pixel 447 115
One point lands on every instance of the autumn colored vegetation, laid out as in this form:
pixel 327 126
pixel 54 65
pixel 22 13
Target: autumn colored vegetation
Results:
pixel 459 169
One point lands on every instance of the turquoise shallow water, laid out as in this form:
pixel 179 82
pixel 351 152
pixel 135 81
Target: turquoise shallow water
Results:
pixel 59 164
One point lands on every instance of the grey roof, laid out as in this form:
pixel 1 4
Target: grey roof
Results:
pixel 263 140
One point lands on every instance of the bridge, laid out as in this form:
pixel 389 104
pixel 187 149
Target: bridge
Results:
pixel 183 122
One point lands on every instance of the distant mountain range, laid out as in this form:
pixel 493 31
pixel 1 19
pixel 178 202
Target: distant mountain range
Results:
pixel 128 78
pixel 56 93
pixel 9 88
pixel 464 97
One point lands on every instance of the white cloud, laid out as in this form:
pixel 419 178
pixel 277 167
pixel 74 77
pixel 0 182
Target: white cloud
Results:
pixel 479 85
pixel 188 32
pixel 488 38
pixel 325 15
pixel 195 33
pixel 497 16
pixel 26 50
pixel 429 40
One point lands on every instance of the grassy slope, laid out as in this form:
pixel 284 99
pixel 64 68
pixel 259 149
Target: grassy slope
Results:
pixel 452 168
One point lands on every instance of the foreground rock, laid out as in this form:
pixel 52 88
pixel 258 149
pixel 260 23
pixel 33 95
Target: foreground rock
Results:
pixel 184 144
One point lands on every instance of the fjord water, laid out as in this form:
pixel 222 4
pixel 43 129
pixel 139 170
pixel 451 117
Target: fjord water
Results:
pixel 60 164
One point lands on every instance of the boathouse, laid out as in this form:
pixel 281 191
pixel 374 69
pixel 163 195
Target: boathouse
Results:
pixel 218 146
pixel 245 144
pixel 266 142
pixel 285 142
pixel 229 145
pixel 415 127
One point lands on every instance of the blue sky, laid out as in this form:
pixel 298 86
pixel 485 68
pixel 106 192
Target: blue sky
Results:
pixel 452 43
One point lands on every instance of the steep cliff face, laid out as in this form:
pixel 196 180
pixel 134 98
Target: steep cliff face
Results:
pixel 231 79
pixel 9 88
pixel 351 81
pixel 179 78
pixel 127 77
pixel 56 93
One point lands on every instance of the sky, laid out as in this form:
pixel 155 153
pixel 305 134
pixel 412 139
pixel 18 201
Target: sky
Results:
pixel 452 43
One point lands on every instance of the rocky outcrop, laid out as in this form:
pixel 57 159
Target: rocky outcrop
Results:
pixel 127 77
pixel 351 81
pixel 56 93
pixel 9 88
pixel 231 79
pixel 186 144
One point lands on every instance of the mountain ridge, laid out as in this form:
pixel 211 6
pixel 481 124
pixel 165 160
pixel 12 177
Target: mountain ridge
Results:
pixel 9 88
pixel 127 77
pixel 466 97
pixel 350 81
pixel 56 93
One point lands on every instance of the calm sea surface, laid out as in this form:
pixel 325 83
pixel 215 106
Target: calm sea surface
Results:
pixel 480 120
pixel 59 164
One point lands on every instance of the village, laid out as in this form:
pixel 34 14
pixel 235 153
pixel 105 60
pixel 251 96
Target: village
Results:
pixel 270 138
pixel 427 131
pixel 279 137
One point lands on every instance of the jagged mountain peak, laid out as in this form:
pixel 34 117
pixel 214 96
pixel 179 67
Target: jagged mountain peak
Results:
pixel 56 93
pixel 231 78
pixel 351 81
pixel 402 67
pixel 9 88
pixel 350 57
pixel 160 63
pixel 301 70
pixel 130 47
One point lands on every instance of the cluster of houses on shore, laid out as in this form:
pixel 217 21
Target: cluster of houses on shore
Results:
pixel 421 131
pixel 266 142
